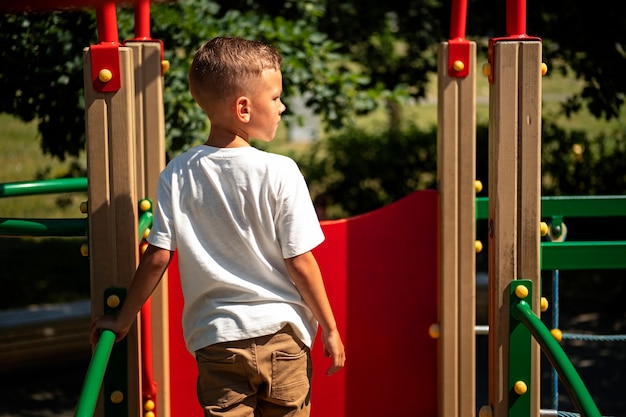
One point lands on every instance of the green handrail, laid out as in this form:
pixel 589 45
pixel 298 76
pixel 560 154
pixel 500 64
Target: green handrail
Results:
pixel 95 375
pixel 559 360
pixel 144 223
pixel 43 227
pixel 53 186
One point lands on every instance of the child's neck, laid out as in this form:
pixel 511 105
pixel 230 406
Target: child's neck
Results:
pixel 226 141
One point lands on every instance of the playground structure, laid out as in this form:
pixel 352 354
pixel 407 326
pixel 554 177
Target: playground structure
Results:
pixel 123 97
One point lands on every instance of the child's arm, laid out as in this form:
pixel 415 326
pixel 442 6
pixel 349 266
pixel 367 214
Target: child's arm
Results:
pixel 307 276
pixel 151 268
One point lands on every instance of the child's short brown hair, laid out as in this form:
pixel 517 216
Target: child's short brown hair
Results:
pixel 228 66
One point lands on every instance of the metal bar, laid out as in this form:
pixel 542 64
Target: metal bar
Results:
pixel 458 19
pixel 559 360
pixel 106 15
pixel 515 17
pixel 145 222
pixel 43 227
pixel 142 19
pixel 54 186
pixel 583 255
pixel 95 375
pixel 587 206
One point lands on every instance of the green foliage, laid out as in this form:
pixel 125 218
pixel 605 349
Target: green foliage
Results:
pixel 573 163
pixel 42 75
pixel 356 171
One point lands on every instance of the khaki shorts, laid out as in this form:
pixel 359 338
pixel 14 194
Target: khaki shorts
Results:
pixel 267 376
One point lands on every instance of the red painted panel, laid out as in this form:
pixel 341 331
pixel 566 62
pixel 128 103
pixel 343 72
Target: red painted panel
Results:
pixel 380 272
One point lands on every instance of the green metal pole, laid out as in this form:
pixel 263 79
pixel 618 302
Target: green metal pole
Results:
pixel 559 360
pixel 54 186
pixel 43 227
pixel 95 375
pixel 145 222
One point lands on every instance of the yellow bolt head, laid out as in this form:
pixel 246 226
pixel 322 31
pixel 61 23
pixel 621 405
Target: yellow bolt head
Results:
pixel 148 405
pixel 521 291
pixel 485 411
pixel 84 207
pixel 520 388
pixel 146 233
pixel 557 334
pixel 84 249
pixel 478 186
pixel 544 304
pixel 544 68
pixel 149 414
pixel 433 331
pixel 105 75
pixel 458 66
pixel 165 65
pixel 543 228
pixel 478 245
pixel 113 301
pixel 486 69
pixel 117 397
pixel 145 205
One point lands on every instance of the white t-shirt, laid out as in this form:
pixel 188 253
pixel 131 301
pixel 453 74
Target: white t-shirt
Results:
pixel 234 215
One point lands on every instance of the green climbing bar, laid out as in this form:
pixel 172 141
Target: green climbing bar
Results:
pixel 53 186
pixel 559 360
pixel 43 227
pixel 95 375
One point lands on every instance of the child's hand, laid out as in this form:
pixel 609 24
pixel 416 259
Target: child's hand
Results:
pixel 333 348
pixel 105 322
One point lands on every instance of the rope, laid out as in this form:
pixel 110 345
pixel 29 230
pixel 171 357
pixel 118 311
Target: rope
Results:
pixel 595 338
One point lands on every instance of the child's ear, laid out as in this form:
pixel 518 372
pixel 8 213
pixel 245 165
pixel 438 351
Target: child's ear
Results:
pixel 243 109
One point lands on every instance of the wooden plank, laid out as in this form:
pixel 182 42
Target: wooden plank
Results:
pixel 151 144
pixel 124 206
pixel 466 238
pixel 529 209
pixel 502 220
pixel 102 259
pixel 447 174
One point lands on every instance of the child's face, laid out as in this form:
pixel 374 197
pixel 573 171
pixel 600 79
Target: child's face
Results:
pixel 266 106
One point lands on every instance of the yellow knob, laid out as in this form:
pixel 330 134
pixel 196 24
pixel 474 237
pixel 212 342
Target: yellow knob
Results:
pixel 146 233
pixel 485 411
pixel 105 75
pixel 458 66
pixel 543 228
pixel 520 388
pixel 433 331
pixel 478 245
pixel 557 334
pixel 478 186
pixel 149 414
pixel 145 205
pixel 84 249
pixel 113 301
pixel 148 405
pixel 521 291
pixel 544 304
pixel 544 68
pixel 84 207
pixel 117 397
pixel 165 65
pixel 486 69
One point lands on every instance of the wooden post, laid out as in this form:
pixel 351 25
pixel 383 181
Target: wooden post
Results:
pixel 456 166
pixel 113 251
pixel 514 200
pixel 150 157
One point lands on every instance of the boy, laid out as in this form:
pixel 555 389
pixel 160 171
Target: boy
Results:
pixel 244 226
